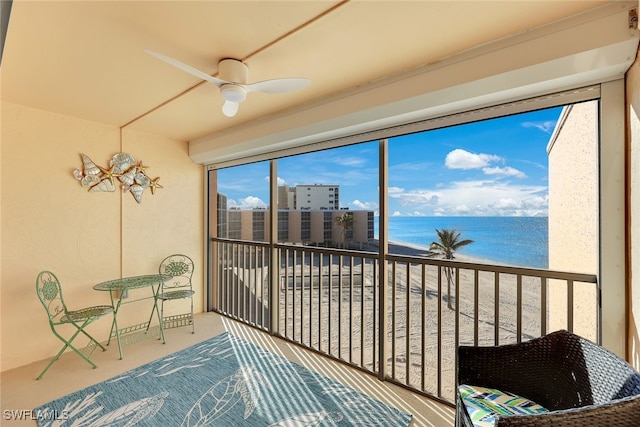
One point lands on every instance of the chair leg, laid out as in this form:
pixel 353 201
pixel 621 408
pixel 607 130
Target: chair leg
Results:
pixel 55 358
pixel 78 352
pixel 67 344
pixel 161 321
pixel 193 322
pixel 153 311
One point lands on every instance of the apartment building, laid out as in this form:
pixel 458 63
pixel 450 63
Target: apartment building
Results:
pixel 304 225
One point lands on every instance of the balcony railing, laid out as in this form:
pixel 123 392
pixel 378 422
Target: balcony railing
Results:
pixel 329 301
pixel 241 288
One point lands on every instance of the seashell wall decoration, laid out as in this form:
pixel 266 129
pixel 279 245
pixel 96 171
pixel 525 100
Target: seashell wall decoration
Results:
pixel 89 168
pixel 137 190
pixel 132 177
pixel 127 178
pixel 104 185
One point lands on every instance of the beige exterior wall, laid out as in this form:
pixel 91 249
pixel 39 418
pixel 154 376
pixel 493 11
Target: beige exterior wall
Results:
pixel 573 214
pixel 633 138
pixel 285 197
pixel 317 228
pixel 360 234
pixel 295 218
pixel 49 222
pixel 360 226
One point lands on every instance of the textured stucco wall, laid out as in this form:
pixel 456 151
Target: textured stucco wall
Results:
pixel 573 214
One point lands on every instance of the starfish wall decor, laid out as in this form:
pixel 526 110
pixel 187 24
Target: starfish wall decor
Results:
pixel 132 177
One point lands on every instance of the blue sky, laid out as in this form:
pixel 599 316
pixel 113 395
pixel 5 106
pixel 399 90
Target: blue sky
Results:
pixel 495 167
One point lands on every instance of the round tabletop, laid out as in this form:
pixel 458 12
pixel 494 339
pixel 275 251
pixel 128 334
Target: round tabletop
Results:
pixel 132 282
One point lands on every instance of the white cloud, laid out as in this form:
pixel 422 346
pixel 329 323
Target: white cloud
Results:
pixel 416 197
pixel 462 210
pixel 463 159
pixel 546 127
pixel 281 181
pixel 534 164
pixel 507 204
pixel 249 202
pixel 477 198
pixel 395 190
pixel 505 171
pixel 531 206
pixel 396 213
pixel 369 206
pixel 350 161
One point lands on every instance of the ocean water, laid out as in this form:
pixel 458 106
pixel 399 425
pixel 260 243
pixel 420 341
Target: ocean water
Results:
pixel 515 241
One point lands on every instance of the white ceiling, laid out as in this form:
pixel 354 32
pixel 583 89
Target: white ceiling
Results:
pixel 86 59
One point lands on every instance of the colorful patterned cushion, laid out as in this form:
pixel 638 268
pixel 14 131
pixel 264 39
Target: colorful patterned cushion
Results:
pixel 484 404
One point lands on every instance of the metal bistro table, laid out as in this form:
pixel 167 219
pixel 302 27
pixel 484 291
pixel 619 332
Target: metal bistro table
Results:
pixel 140 332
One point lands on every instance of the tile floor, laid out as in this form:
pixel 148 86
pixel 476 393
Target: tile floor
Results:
pixel 20 391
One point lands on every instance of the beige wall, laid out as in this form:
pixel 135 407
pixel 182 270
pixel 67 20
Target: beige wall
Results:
pixel 50 222
pixel 573 215
pixel 633 99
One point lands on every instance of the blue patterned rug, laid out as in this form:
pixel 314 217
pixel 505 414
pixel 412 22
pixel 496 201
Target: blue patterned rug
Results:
pixel 224 381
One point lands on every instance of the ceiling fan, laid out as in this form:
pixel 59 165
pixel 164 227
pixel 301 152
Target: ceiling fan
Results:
pixel 232 81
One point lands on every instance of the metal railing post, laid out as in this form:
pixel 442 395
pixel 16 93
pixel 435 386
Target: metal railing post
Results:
pixel 274 265
pixel 383 249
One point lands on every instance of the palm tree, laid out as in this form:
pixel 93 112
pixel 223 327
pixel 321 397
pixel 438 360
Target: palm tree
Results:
pixel 448 242
pixel 346 222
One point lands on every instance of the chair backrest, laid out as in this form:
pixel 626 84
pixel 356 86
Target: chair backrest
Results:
pixel 560 370
pixel 610 377
pixel 180 268
pixel 50 294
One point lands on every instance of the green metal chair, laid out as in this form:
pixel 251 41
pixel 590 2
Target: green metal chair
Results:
pixel 50 294
pixel 180 268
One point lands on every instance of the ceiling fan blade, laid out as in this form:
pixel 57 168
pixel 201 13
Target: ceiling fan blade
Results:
pixel 278 85
pixel 189 69
pixel 230 108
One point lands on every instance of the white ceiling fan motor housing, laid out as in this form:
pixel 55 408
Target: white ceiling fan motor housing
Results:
pixel 233 71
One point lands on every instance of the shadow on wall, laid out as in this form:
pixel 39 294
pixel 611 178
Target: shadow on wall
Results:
pixel 634 344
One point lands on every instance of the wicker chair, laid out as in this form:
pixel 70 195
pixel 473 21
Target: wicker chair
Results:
pixel 578 381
